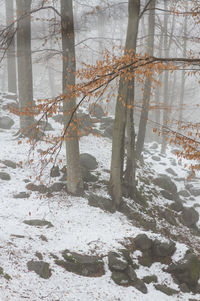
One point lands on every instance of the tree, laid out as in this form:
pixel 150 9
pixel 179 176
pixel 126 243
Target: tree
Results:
pixel 24 63
pixel 74 177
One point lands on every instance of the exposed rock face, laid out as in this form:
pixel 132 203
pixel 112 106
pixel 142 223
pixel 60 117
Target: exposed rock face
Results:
pixel 187 271
pixel 40 267
pixel 155 158
pixel 165 183
pixel 22 195
pixel 88 161
pixel 10 164
pixel 84 265
pixel 6 122
pixel 190 216
pixel 87 175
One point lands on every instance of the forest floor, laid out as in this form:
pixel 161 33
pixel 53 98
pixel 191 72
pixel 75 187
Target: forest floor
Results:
pixel 77 227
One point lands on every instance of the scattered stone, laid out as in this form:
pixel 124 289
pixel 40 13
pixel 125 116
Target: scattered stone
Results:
pixel 171 171
pixel 40 267
pixel 173 161
pixel 55 172
pixel 120 278
pixel 177 206
pixel 163 249
pixel 39 255
pixel 101 202
pixel 146 259
pixel 116 262
pixel 43 237
pixel 57 187
pixel 155 158
pixel 165 289
pixel 131 273
pixel 190 216
pixel 87 176
pixel 10 164
pixel 40 188
pixel 187 270
pixel 169 217
pixel 21 195
pixel 38 223
pixel 195 191
pixel 17 236
pixel 185 193
pixel 5 176
pixel 140 285
pixel 142 242
pixel 166 183
pixel 88 161
pixel 150 279
pixel 88 266
pixel 6 122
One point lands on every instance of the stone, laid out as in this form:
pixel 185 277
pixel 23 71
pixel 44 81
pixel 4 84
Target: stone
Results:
pixel 38 223
pixel 154 146
pixel 88 161
pixel 101 202
pixel 6 122
pixel 45 126
pixel 10 164
pixel 166 183
pixel 116 262
pixel 195 191
pixel 165 289
pixel 190 216
pixel 140 285
pixel 4 176
pixel 185 193
pixel 108 132
pixel 171 171
pixel 97 111
pixel 57 187
pixel 163 249
pixel 55 172
pixel 169 217
pixel 155 158
pixel 87 175
pixel 131 273
pixel 177 206
pixel 150 279
pixel 184 288
pixel 167 195
pixel 84 265
pixel 186 270
pixel 21 195
pixel 120 278
pixel 40 267
pixel 142 242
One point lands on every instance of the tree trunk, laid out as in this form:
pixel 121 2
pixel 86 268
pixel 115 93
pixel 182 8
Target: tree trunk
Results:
pixel 117 160
pixel 147 84
pixel 24 62
pixel 74 177
pixel 11 62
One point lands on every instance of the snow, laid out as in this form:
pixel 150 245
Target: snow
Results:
pixel 77 227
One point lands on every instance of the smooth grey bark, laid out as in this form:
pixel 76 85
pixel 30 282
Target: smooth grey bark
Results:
pixel 24 63
pixel 11 61
pixel 147 84
pixel 74 177
pixel 117 160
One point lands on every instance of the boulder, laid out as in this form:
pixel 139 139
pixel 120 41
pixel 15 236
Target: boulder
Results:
pixel 87 176
pixel 154 146
pixel 116 262
pixel 4 176
pixel 6 122
pixel 10 164
pixel 150 279
pixel 187 270
pixel 142 242
pixel 40 267
pixel 155 158
pixel 88 161
pixel 190 216
pixel 84 265
pixel 171 171
pixel 163 249
pixel 57 187
pixel 166 183
pixel 165 289
pixel 55 172
pixel 185 193
pixel 120 278
pixel 108 132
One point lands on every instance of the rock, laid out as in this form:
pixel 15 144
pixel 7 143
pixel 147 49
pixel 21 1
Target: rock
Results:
pixel 120 278
pixel 11 96
pixel 190 216
pixel 171 171
pixel 21 195
pixel 4 176
pixel 55 172
pixel 116 262
pixel 155 158
pixel 154 146
pixel 140 286
pixel 57 187
pixel 184 193
pixel 184 288
pixel 101 202
pixel 97 111
pixel 163 249
pixel 166 183
pixel 10 164
pixel 38 223
pixel 165 289
pixel 39 255
pixel 87 176
pixel 6 122
pixel 40 267
pixel 173 161
pixel 131 273
pixel 195 191
pixel 142 242
pixel 43 237
pixel 167 195
pixel 108 131
pixel 40 188
pixel 169 217
pixel 177 206
pixel 85 122
pixel 150 279
pixel 88 161
pixel 88 266
pixel 187 270
pixel 58 118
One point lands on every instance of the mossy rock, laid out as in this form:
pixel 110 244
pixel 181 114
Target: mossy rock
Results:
pixel 150 279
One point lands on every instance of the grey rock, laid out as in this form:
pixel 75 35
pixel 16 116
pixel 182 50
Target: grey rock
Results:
pixel 142 242
pixel 55 172
pixel 116 262
pixel 38 223
pixel 108 132
pixel 39 255
pixel 163 249
pixel 10 164
pixel 87 175
pixel 57 187
pixel 45 126
pixel 40 267
pixel 184 193
pixel 4 176
pixel 155 158
pixel 171 171
pixel 165 289
pixel 195 191
pixel 190 216
pixel 43 237
pixel 177 206
pixel 97 111
pixel 6 122
pixel 150 279
pixel 88 161
pixel 131 273
pixel 140 285
pixel 88 266
pixel 22 195
pixel 101 202
pixel 169 216
pixel 166 183
pixel 40 188
pixel 120 278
